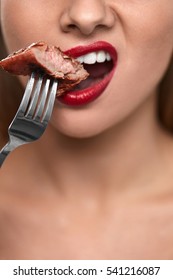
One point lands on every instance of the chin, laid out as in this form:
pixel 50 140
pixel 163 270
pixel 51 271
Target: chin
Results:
pixel 77 128
pixel 78 132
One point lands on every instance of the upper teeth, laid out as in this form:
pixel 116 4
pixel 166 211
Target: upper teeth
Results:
pixel 93 57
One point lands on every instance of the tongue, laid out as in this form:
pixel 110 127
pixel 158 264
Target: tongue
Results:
pixel 98 70
pixel 87 83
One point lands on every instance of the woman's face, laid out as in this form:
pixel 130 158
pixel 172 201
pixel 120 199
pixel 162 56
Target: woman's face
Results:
pixel 141 31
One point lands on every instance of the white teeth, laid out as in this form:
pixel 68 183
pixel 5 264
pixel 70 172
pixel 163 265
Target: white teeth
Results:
pixel 93 57
pixel 80 59
pixel 90 58
pixel 101 57
pixel 108 57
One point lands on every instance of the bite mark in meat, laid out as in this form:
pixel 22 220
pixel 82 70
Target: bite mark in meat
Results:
pixel 49 60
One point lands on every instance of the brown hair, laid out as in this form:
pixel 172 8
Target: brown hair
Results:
pixel 11 93
pixel 165 99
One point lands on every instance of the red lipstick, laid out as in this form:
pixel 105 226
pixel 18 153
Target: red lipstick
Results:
pixel 79 97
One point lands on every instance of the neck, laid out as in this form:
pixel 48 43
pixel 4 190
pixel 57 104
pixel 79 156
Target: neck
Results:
pixel 106 161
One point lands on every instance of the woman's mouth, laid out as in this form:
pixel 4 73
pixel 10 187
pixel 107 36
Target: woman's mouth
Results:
pixel 100 60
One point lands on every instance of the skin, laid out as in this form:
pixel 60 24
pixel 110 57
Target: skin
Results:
pixel 98 184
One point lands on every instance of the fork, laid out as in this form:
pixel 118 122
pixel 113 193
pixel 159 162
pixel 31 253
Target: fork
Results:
pixel 33 114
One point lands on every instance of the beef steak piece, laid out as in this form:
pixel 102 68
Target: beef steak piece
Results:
pixel 49 60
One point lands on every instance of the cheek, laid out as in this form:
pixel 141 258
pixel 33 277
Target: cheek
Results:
pixel 23 27
pixel 149 46
pixel 148 32
pixel 12 28
pixel 151 34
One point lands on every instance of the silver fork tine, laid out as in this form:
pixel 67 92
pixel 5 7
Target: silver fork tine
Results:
pixel 26 97
pixel 34 99
pixel 39 96
pixel 50 102
pixel 42 101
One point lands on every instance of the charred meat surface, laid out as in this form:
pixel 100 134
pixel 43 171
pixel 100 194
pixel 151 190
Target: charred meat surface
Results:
pixel 49 60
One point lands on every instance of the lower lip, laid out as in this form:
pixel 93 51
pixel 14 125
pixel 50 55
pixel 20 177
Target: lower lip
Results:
pixel 85 96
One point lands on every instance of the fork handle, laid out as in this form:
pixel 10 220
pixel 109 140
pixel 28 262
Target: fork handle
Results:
pixel 10 146
pixel 5 151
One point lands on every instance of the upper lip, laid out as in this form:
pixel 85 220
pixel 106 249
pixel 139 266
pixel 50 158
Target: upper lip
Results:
pixel 94 47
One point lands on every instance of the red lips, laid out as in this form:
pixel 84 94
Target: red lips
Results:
pixel 95 86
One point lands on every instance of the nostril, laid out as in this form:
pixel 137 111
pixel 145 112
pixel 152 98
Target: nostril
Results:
pixel 72 26
pixel 86 16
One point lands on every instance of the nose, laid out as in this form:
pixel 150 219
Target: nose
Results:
pixel 85 16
